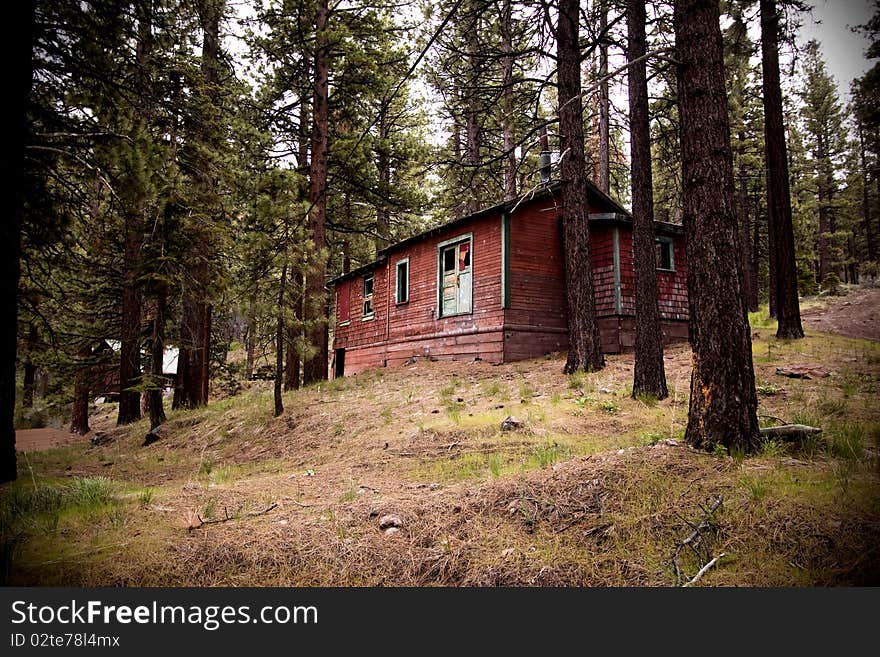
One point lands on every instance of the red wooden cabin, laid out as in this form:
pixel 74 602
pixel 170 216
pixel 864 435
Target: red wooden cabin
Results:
pixel 490 286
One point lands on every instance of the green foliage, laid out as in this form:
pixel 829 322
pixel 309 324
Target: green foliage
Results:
pixel 831 284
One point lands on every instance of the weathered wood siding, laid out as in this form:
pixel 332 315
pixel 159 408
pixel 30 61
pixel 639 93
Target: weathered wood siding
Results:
pixel 399 331
pixel 535 321
pixel 671 285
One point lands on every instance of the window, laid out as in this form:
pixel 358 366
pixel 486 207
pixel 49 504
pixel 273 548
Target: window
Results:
pixel 368 296
pixel 402 278
pixel 455 284
pixel 664 248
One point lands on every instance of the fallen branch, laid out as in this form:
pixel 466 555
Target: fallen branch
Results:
pixel 227 517
pixel 690 541
pixel 703 571
pixel 790 431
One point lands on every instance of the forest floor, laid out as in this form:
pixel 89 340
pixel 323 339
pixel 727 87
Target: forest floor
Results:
pixel 594 488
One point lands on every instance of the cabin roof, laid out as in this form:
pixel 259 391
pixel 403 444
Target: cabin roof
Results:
pixel 613 212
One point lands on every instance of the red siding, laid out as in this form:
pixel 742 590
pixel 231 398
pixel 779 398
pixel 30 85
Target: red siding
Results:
pixel 534 322
pixel 400 331
pixel 671 285
pixel 343 301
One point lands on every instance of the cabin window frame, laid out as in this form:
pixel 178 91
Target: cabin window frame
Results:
pixel 442 247
pixel 667 244
pixel 403 262
pixel 368 298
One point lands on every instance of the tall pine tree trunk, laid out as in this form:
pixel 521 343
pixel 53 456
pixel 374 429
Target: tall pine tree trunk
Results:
pixel 133 229
pixel 508 143
pixel 19 21
pixel 585 347
pixel 866 199
pixel 649 376
pixel 157 357
pixel 472 111
pixel 279 345
pixel 750 286
pixel 603 181
pixel 251 339
pixel 723 401
pixel 315 368
pixel 30 370
pixel 293 367
pixel 82 381
pixel 195 351
pixel 823 197
pixel 788 310
pixel 383 166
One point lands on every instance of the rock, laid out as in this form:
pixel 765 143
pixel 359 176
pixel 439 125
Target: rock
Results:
pixel 391 531
pixel 605 391
pixel 510 423
pixel 152 436
pixel 100 438
pixel 390 521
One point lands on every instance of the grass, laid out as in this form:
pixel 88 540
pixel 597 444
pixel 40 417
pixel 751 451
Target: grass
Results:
pixel 588 492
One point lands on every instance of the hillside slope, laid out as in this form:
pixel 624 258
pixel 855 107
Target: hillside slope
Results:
pixel 593 488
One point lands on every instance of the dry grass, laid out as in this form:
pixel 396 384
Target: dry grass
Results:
pixel 586 493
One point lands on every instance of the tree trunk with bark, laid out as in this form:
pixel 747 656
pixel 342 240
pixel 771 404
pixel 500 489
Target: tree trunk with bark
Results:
pixel 649 376
pixel 293 366
pixel 279 345
pixel 472 112
pixel 82 382
pixel 133 230
pixel 508 143
pixel 157 357
pixel 383 165
pixel 866 199
pixel 315 368
pixel 823 198
pixel 788 310
pixel 723 401
pixel 251 339
pixel 603 181
pixel 585 347
pixel 19 20
pixel 30 370
pixel 750 289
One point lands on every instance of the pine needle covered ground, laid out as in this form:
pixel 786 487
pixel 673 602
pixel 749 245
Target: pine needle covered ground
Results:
pixel 593 489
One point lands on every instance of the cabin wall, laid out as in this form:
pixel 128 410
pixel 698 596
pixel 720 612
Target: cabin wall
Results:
pixel 671 285
pixel 535 320
pixel 400 331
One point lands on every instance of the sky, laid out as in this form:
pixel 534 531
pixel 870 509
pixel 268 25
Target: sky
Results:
pixel 843 49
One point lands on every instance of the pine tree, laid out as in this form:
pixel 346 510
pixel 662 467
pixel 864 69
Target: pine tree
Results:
pixel 649 376
pixel 585 347
pixel 723 401
pixel 825 138
pixel 778 194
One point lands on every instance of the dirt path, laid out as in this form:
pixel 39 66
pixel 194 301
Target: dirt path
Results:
pixel 856 315
pixel 33 440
